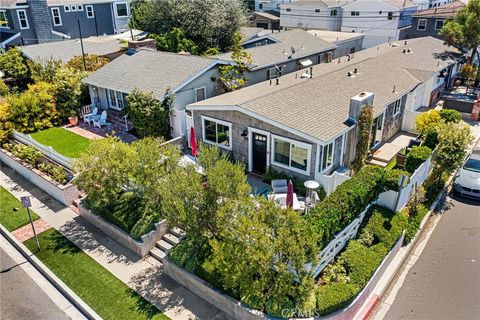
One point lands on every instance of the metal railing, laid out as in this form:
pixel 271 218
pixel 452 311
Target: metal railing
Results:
pixel 48 151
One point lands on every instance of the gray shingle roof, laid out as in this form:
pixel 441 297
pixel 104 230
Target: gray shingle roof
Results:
pixel 319 106
pixel 154 71
pixel 271 54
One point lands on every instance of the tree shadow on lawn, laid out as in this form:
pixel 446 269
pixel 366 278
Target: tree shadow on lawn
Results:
pixel 143 306
pixel 58 243
pixel 90 238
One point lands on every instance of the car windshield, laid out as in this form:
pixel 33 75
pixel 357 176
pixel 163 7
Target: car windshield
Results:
pixel 472 165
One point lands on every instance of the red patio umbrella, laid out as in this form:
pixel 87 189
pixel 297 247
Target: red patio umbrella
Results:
pixel 289 199
pixel 193 142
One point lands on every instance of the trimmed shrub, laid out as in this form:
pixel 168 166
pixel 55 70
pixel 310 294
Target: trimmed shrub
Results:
pixel 56 172
pixel 334 296
pixel 450 115
pixel 414 222
pixel 416 157
pixel 348 201
pixel 275 305
pixel 392 178
pixel 430 138
pixel 28 154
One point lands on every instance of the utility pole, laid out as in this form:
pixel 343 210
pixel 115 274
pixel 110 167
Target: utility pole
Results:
pixel 95 20
pixel 27 204
pixel 81 44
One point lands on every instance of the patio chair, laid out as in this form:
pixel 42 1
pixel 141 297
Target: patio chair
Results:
pixel 91 116
pixel 279 186
pixel 102 121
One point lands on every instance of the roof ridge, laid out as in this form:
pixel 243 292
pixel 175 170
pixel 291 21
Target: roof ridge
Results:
pixel 176 54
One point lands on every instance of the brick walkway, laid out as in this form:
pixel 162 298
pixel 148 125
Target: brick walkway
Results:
pixel 26 232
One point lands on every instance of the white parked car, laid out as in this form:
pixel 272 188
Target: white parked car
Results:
pixel 467 181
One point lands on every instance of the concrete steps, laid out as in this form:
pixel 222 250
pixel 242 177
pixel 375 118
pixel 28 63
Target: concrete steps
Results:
pixel 168 241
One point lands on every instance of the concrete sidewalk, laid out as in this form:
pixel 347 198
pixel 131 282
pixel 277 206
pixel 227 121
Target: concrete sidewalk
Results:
pixel 143 275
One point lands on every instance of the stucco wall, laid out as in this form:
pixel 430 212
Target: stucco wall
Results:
pixel 343 47
pixel 306 17
pixel 239 123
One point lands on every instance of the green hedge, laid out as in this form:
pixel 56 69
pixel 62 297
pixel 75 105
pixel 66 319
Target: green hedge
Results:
pixel 416 157
pixel 349 200
pixel 450 115
pixel 361 258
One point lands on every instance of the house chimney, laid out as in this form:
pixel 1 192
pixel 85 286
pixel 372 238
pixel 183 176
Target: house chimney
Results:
pixel 357 103
pixel 41 20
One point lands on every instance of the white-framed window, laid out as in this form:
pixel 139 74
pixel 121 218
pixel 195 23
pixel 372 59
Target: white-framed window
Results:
pixel 288 9
pixel 22 19
pixel 272 73
pixel 397 106
pixel 66 8
pixel 3 20
pixel 73 8
pixel 80 7
pixel 354 13
pixel 422 24
pixel 390 16
pixel 90 12
pixel 333 12
pixel 326 161
pixel 200 94
pixel 290 154
pixel 116 99
pixel 317 10
pixel 438 24
pixel 121 9
pixel 57 19
pixel 217 132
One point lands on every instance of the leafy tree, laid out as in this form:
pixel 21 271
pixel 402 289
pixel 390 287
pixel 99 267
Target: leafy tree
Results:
pixel 150 117
pixel 174 41
pixel 454 139
pixel 68 91
pixel 463 31
pixel 450 115
pixel 211 52
pixel 208 23
pixel 365 123
pixel 3 88
pixel 33 109
pixel 92 61
pixel 233 76
pixel 426 120
pixel 44 70
pixel 6 125
pixel 14 66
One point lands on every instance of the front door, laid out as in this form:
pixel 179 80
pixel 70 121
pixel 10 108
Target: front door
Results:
pixel 259 152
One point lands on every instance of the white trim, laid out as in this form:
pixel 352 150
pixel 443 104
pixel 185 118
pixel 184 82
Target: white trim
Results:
pixel 116 9
pixel 66 36
pixel 87 11
pixel 395 105
pixel 66 8
pixel 437 20
pixel 418 25
pixel 383 127
pixel 223 123
pixel 201 72
pixel 20 20
pixel 320 162
pixel 204 93
pixel 2 44
pixel 59 16
pixel 73 8
pixel 251 130
pixel 80 7
pixel 259 117
pixel 295 142
pixel 6 20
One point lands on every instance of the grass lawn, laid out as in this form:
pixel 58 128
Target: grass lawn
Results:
pixel 10 219
pixel 101 290
pixel 63 141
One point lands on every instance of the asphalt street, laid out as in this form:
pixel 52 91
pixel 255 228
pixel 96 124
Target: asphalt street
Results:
pixel 444 283
pixel 20 297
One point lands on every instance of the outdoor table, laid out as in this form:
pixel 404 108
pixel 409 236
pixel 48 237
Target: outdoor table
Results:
pixel 281 199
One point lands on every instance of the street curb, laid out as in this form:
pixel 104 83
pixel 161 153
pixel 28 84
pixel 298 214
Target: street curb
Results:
pixel 58 284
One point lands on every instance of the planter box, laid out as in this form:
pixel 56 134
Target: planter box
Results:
pixel 212 295
pixel 237 310
pixel 141 247
pixel 65 194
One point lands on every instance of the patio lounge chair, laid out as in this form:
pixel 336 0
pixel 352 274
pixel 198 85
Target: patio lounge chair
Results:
pixel 279 186
pixel 102 121
pixel 91 116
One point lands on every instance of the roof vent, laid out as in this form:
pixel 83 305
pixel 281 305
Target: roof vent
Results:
pixel 305 75
pixel 350 74
pixel 355 70
pixel 395 45
pixel 405 43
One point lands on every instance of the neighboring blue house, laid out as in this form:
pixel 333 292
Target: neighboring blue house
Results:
pixel 24 22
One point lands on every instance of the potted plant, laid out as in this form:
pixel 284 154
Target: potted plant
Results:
pixel 73 119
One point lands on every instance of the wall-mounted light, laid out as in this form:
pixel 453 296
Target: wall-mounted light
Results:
pixel 245 133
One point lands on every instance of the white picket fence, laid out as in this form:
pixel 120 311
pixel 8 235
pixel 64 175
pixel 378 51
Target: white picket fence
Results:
pixel 48 151
pixel 396 200
pixel 331 182
pixel 337 244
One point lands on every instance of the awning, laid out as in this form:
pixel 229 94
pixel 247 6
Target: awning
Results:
pixel 306 62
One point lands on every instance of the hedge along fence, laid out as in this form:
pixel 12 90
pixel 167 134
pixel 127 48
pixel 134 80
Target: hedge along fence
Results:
pixel 350 198
pixel 396 200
